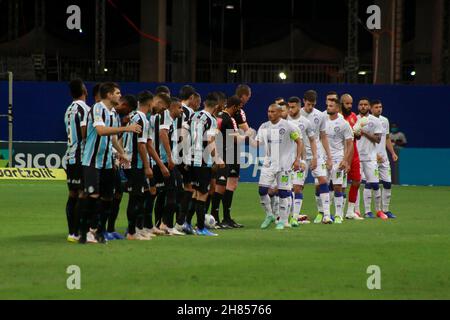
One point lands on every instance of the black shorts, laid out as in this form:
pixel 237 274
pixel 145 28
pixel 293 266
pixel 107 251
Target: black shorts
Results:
pixel 74 177
pixel 234 170
pixel 120 181
pixel 99 181
pixel 137 181
pixel 185 173
pixel 201 179
pixel 166 184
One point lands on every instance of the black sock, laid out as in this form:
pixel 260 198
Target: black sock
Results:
pixel 191 211
pixel 184 207
pixel 140 211
pixel 200 209
pixel 77 217
pixel 88 211
pixel 159 207
pixel 227 200
pixel 70 213
pixel 148 210
pixel 207 204
pixel 217 198
pixel 114 214
pixel 131 214
pixel 169 210
pixel 105 213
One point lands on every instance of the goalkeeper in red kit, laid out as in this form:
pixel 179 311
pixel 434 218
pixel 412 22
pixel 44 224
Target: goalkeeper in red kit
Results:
pixel 354 174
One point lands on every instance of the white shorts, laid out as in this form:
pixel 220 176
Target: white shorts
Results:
pixel 384 170
pixel 369 170
pixel 337 176
pixel 299 178
pixel 271 178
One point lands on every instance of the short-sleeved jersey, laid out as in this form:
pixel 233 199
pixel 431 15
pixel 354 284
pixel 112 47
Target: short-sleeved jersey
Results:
pixel 278 139
pixel 202 127
pixel 352 119
pixel 318 121
pixel 338 132
pixel 228 145
pixel 75 118
pixel 381 147
pixel 98 150
pixel 165 122
pixel 307 131
pixel 132 140
pixel 181 137
pixel 367 149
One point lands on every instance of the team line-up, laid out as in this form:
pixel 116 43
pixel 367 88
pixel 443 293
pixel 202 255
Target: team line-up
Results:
pixel 178 157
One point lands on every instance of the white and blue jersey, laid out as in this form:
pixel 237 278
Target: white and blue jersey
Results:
pixel 75 118
pixel 203 127
pixel 132 140
pixel 98 150
pixel 164 122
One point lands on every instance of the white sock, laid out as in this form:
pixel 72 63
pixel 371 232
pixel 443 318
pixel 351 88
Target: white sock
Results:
pixel 297 207
pixel 377 196
pixel 358 202
pixel 284 207
pixel 290 206
pixel 351 209
pixel 344 203
pixel 368 200
pixel 276 206
pixel 325 199
pixel 265 202
pixel 386 195
pixel 319 204
pixel 339 205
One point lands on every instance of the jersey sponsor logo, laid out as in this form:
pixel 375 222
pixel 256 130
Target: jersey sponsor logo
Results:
pixel 337 130
pixel 316 120
pixel 282 131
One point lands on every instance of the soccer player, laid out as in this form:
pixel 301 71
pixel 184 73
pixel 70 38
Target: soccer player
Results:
pixel 126 105
pixel 75 120
pixel 384 165
pixel 340 137
pixel 183 158
pixel 135 145
pixel 168 186
pixel 282 142
pixel 354 175
pixel 102 131
pixel 367 146
pixel 203 130
pixel 319 168
pixel 160 103
pixel 310 155
pixel 228 146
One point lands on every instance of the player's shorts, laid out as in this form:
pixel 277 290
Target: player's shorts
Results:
pixel 74 177
pixel 355 170
pixel 384 170
pixel 230 171
pixel 201 179
pixel 137 181
pixel 370 171
pixel 299 178
pixel 185 173
pixel 166 184
pixel 337 176
pixel 99 181
pixel 271 177
pixel 234 170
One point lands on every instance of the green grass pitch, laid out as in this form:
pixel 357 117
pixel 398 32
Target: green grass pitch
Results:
pixel 311 262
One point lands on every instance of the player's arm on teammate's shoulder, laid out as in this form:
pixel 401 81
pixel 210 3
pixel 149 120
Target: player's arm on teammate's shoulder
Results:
pixel 102 130
pixel 390 148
